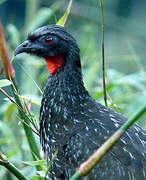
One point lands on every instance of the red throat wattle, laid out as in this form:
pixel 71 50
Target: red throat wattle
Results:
pixel 54 63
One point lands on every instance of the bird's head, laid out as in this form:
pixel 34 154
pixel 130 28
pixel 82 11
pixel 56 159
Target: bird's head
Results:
pixel 54 44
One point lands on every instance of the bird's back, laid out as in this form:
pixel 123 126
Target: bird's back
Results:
pixel 126 160
pixel 87 130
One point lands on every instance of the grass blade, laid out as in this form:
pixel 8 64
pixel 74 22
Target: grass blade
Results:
pixel 63 19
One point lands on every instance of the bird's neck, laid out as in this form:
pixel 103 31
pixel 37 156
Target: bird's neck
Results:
pixel 63 105
pixel 65 92
pixel 54 63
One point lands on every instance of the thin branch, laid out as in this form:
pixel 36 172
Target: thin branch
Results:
pixel 23 116
pixel 137 116
pixel 31 78
pixel 34 124
pixel 35 132
pixel 9 72
pixel 31 120
pixel 7 66
pixel 5 94
pixel 101 2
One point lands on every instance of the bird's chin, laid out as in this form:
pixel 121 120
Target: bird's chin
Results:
pixel 41 53
pixel 34 53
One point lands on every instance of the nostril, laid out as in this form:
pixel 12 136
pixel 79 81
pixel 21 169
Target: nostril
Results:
pixel 26 44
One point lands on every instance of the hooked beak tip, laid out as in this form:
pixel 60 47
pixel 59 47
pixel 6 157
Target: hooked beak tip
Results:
pixel 21 48
pixel 16 52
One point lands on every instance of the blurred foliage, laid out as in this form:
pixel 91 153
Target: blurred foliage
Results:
pixel 124 52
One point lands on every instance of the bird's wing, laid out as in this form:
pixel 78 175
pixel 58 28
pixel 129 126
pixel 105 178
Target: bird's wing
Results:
pixel 127 159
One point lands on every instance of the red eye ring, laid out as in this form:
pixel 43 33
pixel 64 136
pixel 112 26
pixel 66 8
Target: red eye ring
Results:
pixel 48 40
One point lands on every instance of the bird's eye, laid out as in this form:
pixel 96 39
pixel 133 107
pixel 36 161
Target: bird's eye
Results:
pixel 48 40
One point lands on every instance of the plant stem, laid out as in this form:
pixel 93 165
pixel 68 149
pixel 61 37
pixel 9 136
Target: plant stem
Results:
pixel 7 66
pixel 9 73
pixel 28 131
pixel 101 2
pixel 4 162
pixel 134 118
pixel 15 171
pixel 76 176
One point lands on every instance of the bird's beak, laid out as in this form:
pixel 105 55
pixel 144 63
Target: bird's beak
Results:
pixel 27 47
pixel 24 47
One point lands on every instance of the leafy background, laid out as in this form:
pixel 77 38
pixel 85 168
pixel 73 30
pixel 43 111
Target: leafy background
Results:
pixel 125 39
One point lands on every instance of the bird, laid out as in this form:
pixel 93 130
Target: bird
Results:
pixel 72 124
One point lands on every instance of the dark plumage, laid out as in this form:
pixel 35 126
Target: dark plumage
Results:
pixel 74 124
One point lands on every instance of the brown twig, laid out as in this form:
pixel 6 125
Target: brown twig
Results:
pixel 7 66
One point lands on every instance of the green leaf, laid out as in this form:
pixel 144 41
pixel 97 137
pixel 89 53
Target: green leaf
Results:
pixel 5 82
pixel 64 18
pixel 37 177
pixel 40 163
pixel 36 163
pixel 33 100
pixel 9 110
